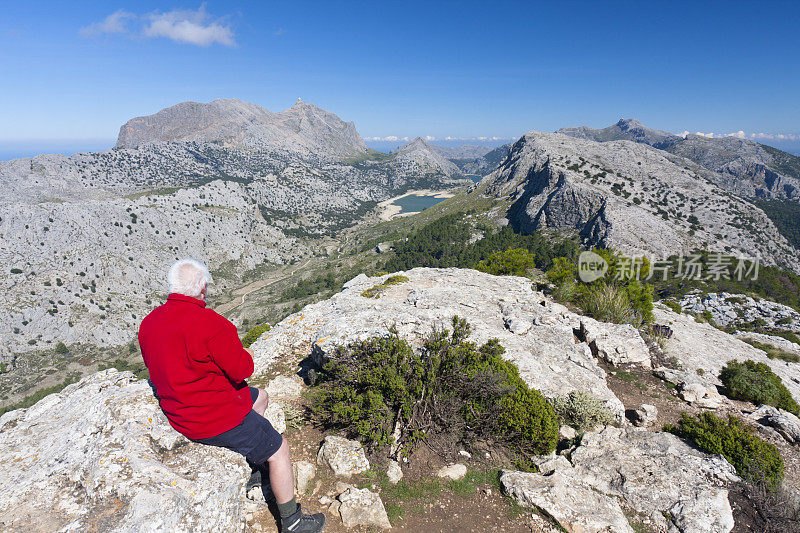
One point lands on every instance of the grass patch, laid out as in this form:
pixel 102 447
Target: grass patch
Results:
pixel 774 352
pixel 377 290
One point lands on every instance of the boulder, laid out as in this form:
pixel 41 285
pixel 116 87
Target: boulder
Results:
pixel 452 472
pixel 645 415
pixel 276 416
pixel 344 457
pixel 655 472
pixel 572 503
pixel 362 507
pixel 616 344
pixel 784 422
pixel 103 448
pixel 304 473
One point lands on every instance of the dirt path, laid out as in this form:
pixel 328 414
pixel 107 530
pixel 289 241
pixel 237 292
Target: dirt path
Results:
pixel 242 292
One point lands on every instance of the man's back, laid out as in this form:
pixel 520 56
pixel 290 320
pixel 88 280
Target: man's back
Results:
pixel 197 365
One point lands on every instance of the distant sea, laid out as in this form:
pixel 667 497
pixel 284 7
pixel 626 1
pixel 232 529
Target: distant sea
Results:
pixel 17 149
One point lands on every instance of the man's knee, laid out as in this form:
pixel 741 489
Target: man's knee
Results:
pixel 282 453
pixel 260 405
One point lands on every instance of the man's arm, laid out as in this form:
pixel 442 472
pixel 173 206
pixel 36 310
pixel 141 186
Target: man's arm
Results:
pixel 228 354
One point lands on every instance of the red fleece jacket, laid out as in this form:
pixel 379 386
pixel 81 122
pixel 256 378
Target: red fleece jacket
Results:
pixel 197 365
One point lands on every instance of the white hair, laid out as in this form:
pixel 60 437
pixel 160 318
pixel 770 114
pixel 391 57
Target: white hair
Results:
pixel 188 277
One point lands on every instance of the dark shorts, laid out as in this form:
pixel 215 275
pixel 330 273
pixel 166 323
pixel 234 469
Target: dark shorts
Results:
pixel 255 438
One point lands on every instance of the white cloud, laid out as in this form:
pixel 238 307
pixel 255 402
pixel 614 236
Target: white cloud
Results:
pixel 181 25
pixel 430 138
pixel 188 26
pixel 116 22
pixel 738 134
pixel 776 136
pixel 742 135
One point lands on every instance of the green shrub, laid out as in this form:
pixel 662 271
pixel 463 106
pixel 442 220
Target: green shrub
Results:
pixel 254 334
pixel 774 352
pixel 514 262
pixel 449 392
pixel 16 271
pixel 582 411
pixel 754 459
pixel 755 382
pixel 673 306
pixel 61 348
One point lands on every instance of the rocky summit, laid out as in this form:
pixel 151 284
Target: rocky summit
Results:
pixel 303 127
pixel 100 454
pixel 741 166
pixel 631 197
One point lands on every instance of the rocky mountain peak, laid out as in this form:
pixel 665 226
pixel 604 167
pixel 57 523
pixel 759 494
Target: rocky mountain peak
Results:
pixel 303 127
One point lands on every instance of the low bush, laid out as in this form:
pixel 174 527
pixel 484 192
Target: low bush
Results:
pixel 754 459
pixel 448 393
pixel 618 297
pixel 773 352
pixel 755 382
pixel 254 333
pixel 513 262
pixel 582 411
pixel 61 348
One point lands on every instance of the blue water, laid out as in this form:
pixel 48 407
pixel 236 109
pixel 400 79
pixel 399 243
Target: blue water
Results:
pixel 413 203
pixel 474 177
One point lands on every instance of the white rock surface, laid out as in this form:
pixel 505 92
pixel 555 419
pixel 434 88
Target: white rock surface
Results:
pixel 363 507
pixel 102 449
pixel 645 415
pixel 276 416
pixel 304 473
pixel 345 457
pixel 547 354
pixel 655 472
pixel 453 472
pixel 572 503
pixel 696 346
pixel 784 422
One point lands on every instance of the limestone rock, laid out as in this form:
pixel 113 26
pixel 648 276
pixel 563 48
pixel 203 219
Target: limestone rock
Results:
pixel 362 507
pixel 547 355
pixel 567 432
pixel 285 388
pixel 700 395
pixel 344 457
pixel 573 504
pixel 276 416
pixel 615 343
pixel 394 472
pixel 304 473
pixel 102 447
pixel 653 472
pixel 547 464
pixel 784 422
pixel 702 350
pixel 452 472
pixel 645 415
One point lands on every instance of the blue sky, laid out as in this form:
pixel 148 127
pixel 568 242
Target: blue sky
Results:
pixel 75 71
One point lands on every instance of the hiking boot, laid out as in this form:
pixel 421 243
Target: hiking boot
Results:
pixel 301 522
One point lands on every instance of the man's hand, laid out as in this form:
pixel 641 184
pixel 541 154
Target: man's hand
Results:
pixel 248 350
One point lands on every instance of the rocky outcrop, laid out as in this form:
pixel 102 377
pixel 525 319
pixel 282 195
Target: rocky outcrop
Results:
pixel 656 474
pixel 538 334
pixel 627 196
pixel 628 129
pixel 784 422
pixel 701 350
pixel 100 455
pixel 736 309
pixel 574 505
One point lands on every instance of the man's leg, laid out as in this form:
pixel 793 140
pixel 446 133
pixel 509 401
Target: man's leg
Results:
pixel 281 476
pixel 261 402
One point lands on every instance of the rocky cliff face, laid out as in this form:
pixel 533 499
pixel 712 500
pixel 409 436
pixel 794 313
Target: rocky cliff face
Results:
pixel 302 127
pixel 741 166
pixel 628 196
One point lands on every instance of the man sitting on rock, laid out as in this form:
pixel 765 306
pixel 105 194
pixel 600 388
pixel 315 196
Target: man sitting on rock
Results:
pixel 198 368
